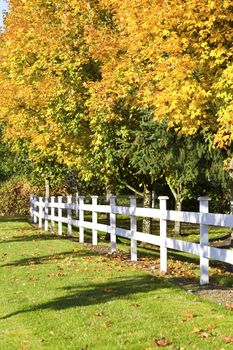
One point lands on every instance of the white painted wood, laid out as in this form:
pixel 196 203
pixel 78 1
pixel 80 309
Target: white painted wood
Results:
pixel 163 235
pixel 60 215
pixel 34 210
pixel 41 212
pixel 183 246
pixel 122 232
pixel 76 205
pixel 52 226
pixel 96 208
pixel 133 227
pixel 113 224
pixel 31 207
pixel 222 220
pixel 46 214
pixel 148 213
pixel 143 212
pixel 94 220
pixel 69 216
pixel 81 219
pixel 147 238
pixel 224 255
pixel 204 241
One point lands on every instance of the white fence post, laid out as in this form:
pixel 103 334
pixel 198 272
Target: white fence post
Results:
pixel 133 227
pixel 60 216
pixel 163 234
pixel 40 211
pixel 113 224
pixel 81 219
pixel 52 213
pixel 69 216
pixel 76 202
pixel 94 221
pixel 204 240
pixel 46 212
pixel 34 211
pixel 31 207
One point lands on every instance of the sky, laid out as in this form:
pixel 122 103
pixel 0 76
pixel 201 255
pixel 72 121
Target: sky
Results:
pixel 3 6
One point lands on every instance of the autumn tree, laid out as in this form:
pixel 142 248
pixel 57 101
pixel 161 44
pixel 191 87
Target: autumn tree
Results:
pixel 72 72
pixel 172 57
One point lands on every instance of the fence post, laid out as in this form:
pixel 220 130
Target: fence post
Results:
pixel 113 224
pixel 60 215
pixel 34 211
pixel 204 241
pixel 81 219
pixel 46 212
pixel 40 211
pixel 52 214
pixel 69 216
pixel 76 202
pixel 133 227
pixel 94 220
pixel 31 207
pixel 163 234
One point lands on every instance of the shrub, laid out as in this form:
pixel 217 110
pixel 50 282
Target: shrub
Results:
pixel 14 196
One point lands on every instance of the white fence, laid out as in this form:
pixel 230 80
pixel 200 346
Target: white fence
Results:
pixel 51 209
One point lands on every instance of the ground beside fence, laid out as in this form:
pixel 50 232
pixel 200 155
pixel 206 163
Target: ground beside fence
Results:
pixel 59 294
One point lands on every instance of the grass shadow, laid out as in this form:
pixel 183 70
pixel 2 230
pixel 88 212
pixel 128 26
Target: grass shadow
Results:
pixel 31 238
pixel 98 293
pixel 48 258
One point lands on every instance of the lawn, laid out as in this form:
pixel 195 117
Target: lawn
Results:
pixel 59 294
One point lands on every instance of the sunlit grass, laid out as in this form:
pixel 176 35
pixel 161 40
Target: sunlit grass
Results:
pixel 59 294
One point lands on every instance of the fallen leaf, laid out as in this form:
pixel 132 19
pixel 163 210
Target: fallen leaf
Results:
pixel 228 339
pixel 205 335
pixel 197 330
pixel 107 324
pixel 134 305
pixel 211 326
pixel 162 342
pixel 189 315
pixel 56 275
pixel 229 306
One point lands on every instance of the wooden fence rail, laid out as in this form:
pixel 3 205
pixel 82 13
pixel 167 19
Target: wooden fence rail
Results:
pixel 70 211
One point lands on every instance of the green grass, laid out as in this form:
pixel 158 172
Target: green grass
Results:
pixel 58 294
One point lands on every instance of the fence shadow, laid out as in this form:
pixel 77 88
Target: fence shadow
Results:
pixel 32 237
pixel 36 260
pixel 98 293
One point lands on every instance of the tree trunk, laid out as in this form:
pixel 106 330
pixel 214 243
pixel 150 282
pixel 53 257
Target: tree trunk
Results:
pixel 47 188
pixel 178 207
pixel 146 224
pixel 109 193
pixel 178 203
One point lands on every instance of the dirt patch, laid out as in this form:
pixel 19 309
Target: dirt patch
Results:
pixel 222 296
